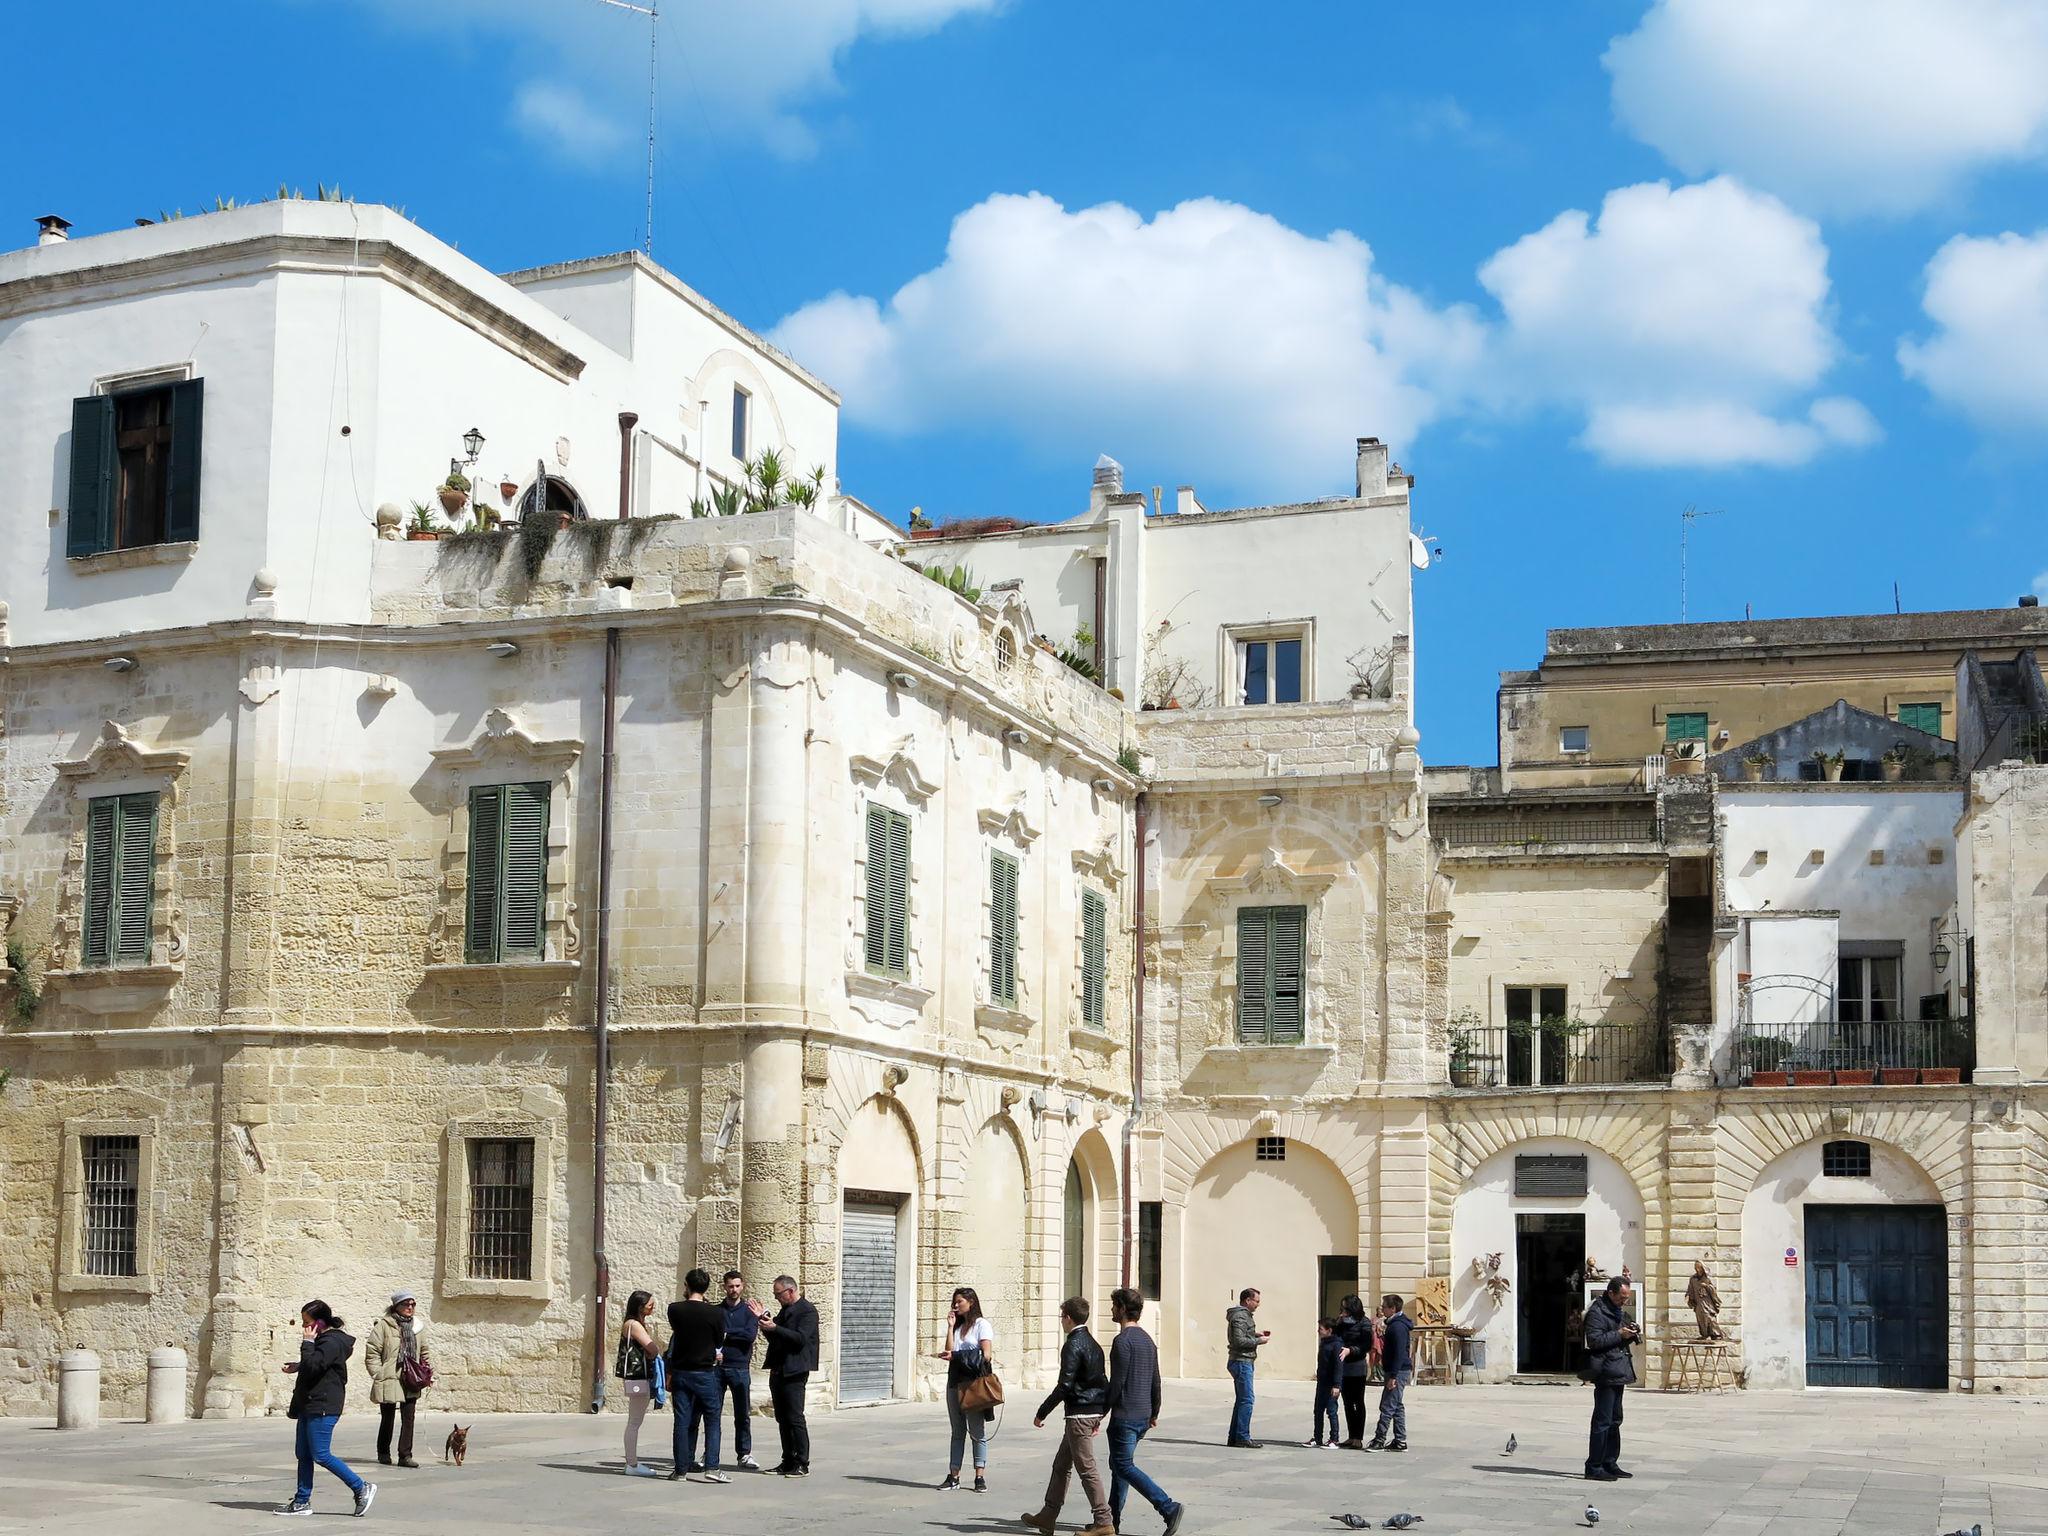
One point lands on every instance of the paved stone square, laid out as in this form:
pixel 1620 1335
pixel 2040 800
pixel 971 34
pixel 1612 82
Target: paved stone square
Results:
pixel 1736 1464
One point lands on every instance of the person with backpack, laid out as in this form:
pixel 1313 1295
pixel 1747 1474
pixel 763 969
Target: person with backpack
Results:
pixel 318 1395
pixel 639 1363
pixel 1397 1361
pixel 396 1357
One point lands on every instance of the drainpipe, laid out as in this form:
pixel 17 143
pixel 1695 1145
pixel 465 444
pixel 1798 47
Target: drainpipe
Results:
pixel 603 1071
pixel 1137 1029
pixel 1101 619
pixel 628 420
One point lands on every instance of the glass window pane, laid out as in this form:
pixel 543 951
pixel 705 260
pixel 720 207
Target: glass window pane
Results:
pixel 1287 672
pixel 740 403
pixel 1521 1004
pixel 1574 738
pixel 1256 690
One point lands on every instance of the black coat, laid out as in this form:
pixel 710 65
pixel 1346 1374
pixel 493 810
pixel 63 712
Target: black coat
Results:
pixel 1084 1378
pixel 322 1382
pixel 792 1340
pixel 1608 1361
pixel 1355 1334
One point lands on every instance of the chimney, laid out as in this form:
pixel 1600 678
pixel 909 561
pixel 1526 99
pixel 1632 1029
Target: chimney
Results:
pixel 1185 503
pixel 1372 467
pixel 2030 601
pixel 52 229
pixel 1109 476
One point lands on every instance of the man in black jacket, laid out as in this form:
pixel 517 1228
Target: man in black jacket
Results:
pixel 792 1356
pixel 1610 1368
pixel 1084 1389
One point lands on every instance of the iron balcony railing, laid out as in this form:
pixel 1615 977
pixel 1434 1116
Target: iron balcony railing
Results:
pixel 1831 1050
pixel 1479 832
pixel 1558 1055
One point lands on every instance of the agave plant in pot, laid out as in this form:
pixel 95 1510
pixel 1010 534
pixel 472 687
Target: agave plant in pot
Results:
pixel 1755 765
pixel 1830 765
pixel 422 525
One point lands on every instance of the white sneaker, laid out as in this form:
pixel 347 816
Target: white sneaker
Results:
pixel 641 1469
pixel 750 1464
pixel 716 1476
pixel 363 1499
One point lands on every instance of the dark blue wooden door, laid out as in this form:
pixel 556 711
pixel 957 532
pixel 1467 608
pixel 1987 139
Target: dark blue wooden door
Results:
pixel 1876 1296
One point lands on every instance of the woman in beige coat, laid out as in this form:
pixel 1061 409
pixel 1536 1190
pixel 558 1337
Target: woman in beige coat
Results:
pixel 395 1339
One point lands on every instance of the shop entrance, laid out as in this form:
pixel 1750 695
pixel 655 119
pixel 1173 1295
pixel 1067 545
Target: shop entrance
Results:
pixel 1550 1260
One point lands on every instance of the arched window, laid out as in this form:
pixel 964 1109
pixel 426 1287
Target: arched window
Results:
pixel 561 497
pixel 1006 648
pixel 1076 1225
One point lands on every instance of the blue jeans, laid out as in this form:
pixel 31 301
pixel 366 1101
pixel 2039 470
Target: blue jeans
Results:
pixel 1125 1473
pixel 739 1381
pixel 315 1443
pixel 1393 1409
pixel 1241 1411
pixel 695 1400
pixel 1326 1412
pixel 966 1426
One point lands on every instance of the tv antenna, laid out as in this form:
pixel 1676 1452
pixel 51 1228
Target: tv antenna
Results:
pixel 652 12
pixel 1686 519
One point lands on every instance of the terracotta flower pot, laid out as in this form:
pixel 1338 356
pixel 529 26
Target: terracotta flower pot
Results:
pixel 1941 1074
pixel 1832 772
pixel 1809 1077
pixel 1853 1077
pixel 1898 1077
pixel 451 499
pixel 420 535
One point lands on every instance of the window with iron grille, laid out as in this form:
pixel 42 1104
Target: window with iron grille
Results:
pixel 1271 1149
pixel 1845 1159
pixel 501 1209
pixel 111 1202
pixel 888 892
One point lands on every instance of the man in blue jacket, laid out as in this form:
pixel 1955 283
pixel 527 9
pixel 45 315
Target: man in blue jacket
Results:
pixel 736 1364
pixel 1611 1370
pixel 1397 1362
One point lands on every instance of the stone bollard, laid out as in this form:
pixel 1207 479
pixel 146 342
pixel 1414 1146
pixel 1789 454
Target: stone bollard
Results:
pixel 166 1398
pixel 78 1389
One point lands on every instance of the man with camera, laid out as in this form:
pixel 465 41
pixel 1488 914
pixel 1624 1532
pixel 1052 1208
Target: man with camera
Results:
pixel 1609 1367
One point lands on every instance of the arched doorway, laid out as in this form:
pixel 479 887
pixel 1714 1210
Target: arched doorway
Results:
pixel 1271 1213
pixel 1074 1231
pixel 1088 1217
pixel 1845 1269
pixel 878 1180
pixel 994 1251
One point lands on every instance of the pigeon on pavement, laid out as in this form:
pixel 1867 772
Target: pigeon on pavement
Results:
pixel 1401 1522
pixel 1592 1515
pixel 1511 1447
pixel 1975 1530
pixel 1353 1522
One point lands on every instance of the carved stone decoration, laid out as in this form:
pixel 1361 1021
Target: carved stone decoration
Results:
pixel 961 645
pixel 261 683
pixel 572 932
pixel 115 751
pixel 501 735
pixel 1011 823
pixel 1099 864
pixel 174 936
pixel 1705 1301
pixel 896 770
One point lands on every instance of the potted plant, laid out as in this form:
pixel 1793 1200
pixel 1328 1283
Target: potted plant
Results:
pixel 1941 1074
pixel 487 516
pixel 1944 767
pixel 1830 765
pixel 1464 1060
pixel 1854 1077
pixel 1898 1077
pixel 1894 762
pixel 453 492
pixel 1756 764
pixel 422 525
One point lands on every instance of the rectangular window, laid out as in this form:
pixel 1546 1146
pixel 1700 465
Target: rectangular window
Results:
pixel 111 1202
pixel 1271 948
pixel 1536 1055
pixel 134 468
pixel 1868 989
pixel 1845 1159
pixel 1094 959
pixel 508 868
pixel 1685 727
pixel 501 1209
pixel 1575 738
pixel 888 893
pixel 742 421
pixel 1921 717
pixel 1002 929
pixel 1269 671
pixel 1270 1149
pixel 120 878
pixel 1151 1232
pixel 1556 1176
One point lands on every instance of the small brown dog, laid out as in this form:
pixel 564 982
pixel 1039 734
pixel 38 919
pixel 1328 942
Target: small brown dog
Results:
pixel 457 1446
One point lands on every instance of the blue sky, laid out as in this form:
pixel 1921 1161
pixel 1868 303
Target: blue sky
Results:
pixel 1582 264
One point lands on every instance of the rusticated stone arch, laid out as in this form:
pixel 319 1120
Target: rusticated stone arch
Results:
pixel 1748 1143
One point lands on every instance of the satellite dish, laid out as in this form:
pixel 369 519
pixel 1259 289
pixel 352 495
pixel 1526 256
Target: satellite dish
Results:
pixel 1418 552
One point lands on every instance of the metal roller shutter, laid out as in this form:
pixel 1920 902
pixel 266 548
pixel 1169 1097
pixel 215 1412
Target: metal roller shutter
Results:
pixel 867 1304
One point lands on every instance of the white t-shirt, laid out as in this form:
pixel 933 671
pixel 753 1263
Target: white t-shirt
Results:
pixel 979 1335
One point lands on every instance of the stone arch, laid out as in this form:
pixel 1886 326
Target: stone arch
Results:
pixel 1769 1314
pixel 1747 1143
pixel 878 1162
pixel 994 1256
pixel 1485 1219
pixel 1092 1165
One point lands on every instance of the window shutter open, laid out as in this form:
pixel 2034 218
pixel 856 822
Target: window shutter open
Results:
pixel 522 930
pixel 89 528
pixel 878 889
pixel 899 893
pixel 1284 1017
pixel 486 848
pixel 181 513
pixel 1254 937
pixel 1094 957
pixel 101 819
pixel 1002 928
pixel 135 878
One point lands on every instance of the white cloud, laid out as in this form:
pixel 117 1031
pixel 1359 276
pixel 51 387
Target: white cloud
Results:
pixel 1850 106
pixel 750 69
pixel 1209 332
pixel 1988 355
pixel 1679 321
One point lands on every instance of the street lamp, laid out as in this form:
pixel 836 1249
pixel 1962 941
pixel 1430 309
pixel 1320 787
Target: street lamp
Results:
pixel 473 444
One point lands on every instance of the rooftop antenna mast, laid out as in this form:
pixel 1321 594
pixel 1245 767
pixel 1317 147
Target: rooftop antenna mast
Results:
pixel 1686 519
pixel 652 12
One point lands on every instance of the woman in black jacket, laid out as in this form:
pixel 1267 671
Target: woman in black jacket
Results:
pixel 1354 1336
pixel 317 1398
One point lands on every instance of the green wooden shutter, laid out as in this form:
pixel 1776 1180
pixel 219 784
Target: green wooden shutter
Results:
pixel 1094 958
pixel 523 881
pixel 486 856
pixel 1685 727
pixel 878 889
pixel 899 893
pixel 89 526
pixel 1254 943
pixel 102 820
pixel 134 878
pixel 1921 717
pixel 181 513
pixel 1284 1013
pixel 1002 928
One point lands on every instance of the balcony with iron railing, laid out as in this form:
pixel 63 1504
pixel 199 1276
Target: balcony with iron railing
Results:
pixel 1557 1053
pixel 1858 1053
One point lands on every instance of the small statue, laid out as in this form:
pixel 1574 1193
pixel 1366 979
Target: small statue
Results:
pixel 1705 1301
pixel 1593 1269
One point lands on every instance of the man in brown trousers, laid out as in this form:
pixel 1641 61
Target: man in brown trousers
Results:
pixel 1084 1390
